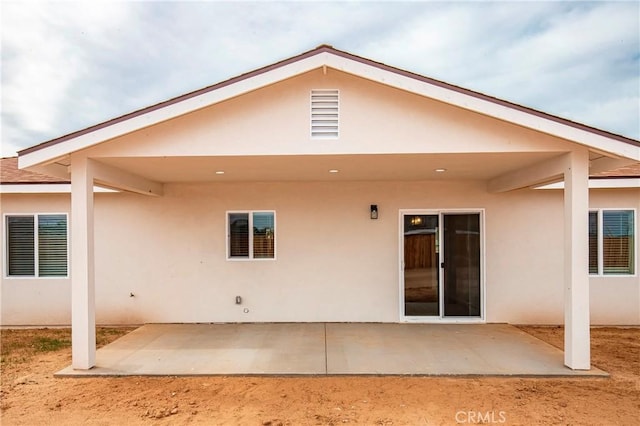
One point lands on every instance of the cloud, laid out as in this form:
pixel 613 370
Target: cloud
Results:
pixel 568 59
pixel 46 52
pixel 66 66
pixel 575 63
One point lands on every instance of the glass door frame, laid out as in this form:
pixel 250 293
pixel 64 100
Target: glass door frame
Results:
pixel 440 318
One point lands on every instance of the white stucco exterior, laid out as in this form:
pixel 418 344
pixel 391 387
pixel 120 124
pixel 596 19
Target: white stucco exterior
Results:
pixel 333 262
pixel 157 251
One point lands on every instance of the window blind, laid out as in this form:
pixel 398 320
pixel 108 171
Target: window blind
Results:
pixel 617 242
pixel 263 235
pixel 20 245
pixel 238 235
pixel 593 242
pixel 52 245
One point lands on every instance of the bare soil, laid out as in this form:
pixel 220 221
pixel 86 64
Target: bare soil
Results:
pixel 30 395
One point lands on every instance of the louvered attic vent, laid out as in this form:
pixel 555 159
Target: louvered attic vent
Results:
pixel 324 113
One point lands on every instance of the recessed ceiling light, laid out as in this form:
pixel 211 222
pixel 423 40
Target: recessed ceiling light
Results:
pixel 440 170
pixel 334 171
pixel 219 172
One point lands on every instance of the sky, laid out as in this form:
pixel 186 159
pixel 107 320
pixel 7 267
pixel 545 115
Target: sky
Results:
pixel 67 66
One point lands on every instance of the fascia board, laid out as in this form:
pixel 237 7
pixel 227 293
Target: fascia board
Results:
pixel 486 107
pixel 171 111
pixel 348 65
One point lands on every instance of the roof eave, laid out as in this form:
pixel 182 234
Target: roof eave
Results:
pixel 325 55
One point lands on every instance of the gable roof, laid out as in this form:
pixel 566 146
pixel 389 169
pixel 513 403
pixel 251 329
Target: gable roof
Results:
pixel 11 174
pixel 327 56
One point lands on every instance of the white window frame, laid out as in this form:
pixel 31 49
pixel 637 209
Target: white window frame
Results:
pixel 600 238
pixel 250 257
pixel 36 236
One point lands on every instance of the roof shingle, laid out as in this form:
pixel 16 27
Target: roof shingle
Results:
pixel 11 174
pixel 623 172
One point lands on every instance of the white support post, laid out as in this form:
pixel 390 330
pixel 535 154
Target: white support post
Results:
pixel 83 321
pixel 577 346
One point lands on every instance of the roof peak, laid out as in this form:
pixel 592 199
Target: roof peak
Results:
pixel 343 55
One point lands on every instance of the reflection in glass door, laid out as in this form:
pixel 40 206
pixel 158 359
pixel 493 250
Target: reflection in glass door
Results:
pixel 462 265
pixel 421 265
pixel 441 265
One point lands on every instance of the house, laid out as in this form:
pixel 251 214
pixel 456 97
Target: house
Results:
pixel 325 187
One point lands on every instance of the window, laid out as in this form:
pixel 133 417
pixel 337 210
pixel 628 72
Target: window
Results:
pixel 324 113
pixel 259 243
pixel 36 245
pixel 612 242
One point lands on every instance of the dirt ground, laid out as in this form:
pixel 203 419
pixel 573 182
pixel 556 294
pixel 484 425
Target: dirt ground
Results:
pixel 31 396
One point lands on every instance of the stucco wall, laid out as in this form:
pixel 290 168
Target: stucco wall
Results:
pixel 616 299
pixel 374 119
pixel 333 262
pixel 33 301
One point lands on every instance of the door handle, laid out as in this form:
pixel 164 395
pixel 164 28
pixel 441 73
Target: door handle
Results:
pixel 442 265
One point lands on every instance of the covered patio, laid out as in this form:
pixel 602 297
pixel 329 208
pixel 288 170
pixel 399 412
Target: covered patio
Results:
pixel 339 191
pixel 329 349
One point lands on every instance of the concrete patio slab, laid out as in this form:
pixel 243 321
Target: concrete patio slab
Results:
pixel 332 348
pixel 442 349
pixel 196 349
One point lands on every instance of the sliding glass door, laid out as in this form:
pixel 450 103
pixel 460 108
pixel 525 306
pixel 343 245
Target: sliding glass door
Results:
pixel 441 265
pixel 462 265
pixel 421 265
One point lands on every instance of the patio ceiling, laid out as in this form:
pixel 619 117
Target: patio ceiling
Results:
pixel 381 167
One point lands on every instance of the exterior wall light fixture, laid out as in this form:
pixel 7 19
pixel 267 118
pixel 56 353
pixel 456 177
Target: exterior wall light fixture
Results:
pixel 374 211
